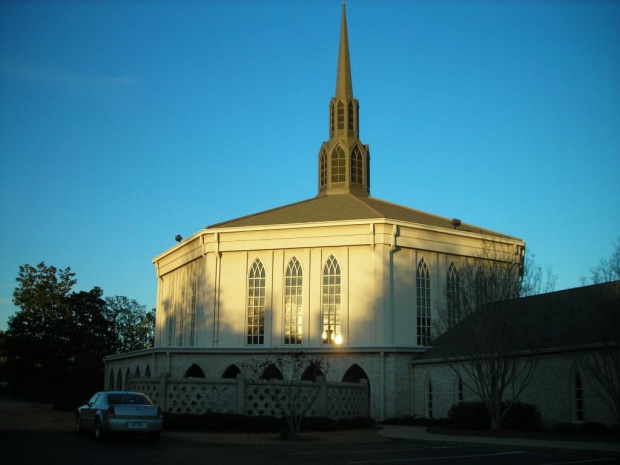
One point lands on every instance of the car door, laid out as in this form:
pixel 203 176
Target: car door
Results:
pixel 89 413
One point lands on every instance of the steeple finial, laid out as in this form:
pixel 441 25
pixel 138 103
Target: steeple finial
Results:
pixel 344 88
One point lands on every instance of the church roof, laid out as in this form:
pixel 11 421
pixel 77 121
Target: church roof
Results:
pixel 556 321
pixel 346 207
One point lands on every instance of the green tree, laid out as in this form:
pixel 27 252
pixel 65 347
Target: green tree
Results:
pixel 36 335
pixel 132 327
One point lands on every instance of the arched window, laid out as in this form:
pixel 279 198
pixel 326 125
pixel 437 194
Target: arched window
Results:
pixel 119 380
pixel 331 303
pixel 272 372
pixel 147 372
pixel 137 372
pixel 231 372
pixel 192 310
pixel 356 166
pixel 481 289
pixel 351 120
pixel 354 374
pixel 194 371
pixel 453 292
pixel 340 115
pixel 429 398
pixel 170 310
pixel 127 376
pixel 423 304
pixel 181 309
pixel 458 390
pixel 578 392
pixel 256 304
pixel 312 372
pixel 338 165
pixel 323 169
pixel 111 381
pixel 331 118
pixel 293 308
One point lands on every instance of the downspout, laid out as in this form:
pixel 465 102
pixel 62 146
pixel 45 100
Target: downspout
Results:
pixel 382 353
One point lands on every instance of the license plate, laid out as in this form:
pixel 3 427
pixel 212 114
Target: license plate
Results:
pixel 136 425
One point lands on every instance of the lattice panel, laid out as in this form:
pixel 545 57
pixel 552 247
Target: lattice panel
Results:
pixel 151 389
pixel 347 403
pixel 200 398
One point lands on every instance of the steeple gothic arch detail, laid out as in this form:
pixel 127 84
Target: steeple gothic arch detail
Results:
pixel 343 163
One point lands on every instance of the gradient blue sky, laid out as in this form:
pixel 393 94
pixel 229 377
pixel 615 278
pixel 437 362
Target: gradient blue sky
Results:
pixel 123 124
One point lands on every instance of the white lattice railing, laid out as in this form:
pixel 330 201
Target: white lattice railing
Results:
pixel 336 400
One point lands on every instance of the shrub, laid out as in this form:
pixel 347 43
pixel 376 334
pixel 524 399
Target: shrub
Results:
pixel 522 417
pixel 318 424
pixel 593 427
pixel 408 420
pixel 469 415
pixel 564 428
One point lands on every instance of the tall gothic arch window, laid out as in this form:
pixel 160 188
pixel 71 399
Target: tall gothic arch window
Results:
pixel 356 166
pixel 293 311
pixel 338 165
pixel 331 304
pixel 181 311
pixel 171 310
pixel 453 295
pixel 323 169
pixel 423 304
pixel 481 288
pixel 331 118
pixel 351 114
pixel 192 312
pixel 256 304
pixel 340 115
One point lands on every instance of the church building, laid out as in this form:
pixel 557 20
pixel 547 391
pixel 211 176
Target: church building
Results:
pixel 342 275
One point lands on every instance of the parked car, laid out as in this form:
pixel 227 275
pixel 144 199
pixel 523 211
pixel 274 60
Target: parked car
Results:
pixel 120 412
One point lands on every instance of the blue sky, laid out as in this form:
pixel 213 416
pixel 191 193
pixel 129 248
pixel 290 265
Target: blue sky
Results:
pixel 123 124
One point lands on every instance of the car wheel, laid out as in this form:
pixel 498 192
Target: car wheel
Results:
pixel 78 424
pixel 153 438
pixel 98 430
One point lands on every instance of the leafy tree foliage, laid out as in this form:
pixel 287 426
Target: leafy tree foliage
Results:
pixel 132 327
pixel 56 341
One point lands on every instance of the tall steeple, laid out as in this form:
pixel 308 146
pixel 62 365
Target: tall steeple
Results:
pixel 344 162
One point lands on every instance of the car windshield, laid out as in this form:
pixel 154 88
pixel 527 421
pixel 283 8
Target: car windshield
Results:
pixel 122 399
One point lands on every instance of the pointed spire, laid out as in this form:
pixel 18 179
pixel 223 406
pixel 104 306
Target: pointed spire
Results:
pixel 344 88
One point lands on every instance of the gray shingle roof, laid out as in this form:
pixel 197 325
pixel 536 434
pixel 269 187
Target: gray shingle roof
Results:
pixel 346 207
pixel 579 317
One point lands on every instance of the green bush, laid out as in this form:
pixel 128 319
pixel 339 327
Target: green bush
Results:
pixel 522 417
pixel 469 415
pixel 564 428
pixel 593 427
